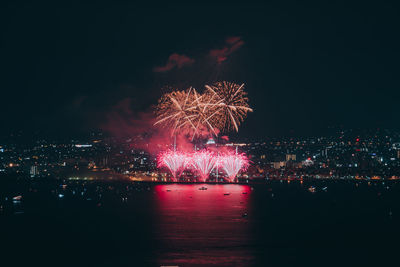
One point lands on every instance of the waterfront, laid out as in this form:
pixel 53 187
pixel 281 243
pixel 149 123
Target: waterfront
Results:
pixel 279 223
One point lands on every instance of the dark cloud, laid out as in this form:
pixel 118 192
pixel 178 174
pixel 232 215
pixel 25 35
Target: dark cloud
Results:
pixel 231 45
pixel 174 60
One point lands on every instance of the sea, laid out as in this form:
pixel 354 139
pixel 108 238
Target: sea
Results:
pixel 273 223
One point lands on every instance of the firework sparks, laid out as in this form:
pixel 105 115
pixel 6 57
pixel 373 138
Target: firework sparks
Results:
pixel 232 164
pixel 230 105
pixel 222 107
pixel 175 110
pixel 204 162
pixel 174 161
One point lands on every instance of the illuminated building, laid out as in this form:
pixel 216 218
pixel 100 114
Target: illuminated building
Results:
pixel 278 165
pixel 290 157
pixel 34 171
pixel 210 142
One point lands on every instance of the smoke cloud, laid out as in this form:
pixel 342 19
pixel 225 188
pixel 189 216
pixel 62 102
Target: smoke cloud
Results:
pixel 231 45
pixel 123 123
pixel 175 60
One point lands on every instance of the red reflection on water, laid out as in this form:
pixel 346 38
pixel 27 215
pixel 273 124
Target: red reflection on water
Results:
pixel 203 226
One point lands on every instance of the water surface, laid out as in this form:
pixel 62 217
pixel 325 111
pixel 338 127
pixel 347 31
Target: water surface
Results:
pixel 350 223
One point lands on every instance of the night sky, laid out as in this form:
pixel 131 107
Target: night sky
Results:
pixel 306 67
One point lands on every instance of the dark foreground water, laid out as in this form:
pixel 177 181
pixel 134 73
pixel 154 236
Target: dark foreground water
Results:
pixel 274 224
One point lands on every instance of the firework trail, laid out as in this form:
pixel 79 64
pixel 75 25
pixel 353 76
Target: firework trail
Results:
pixel 174 161
pixel 232 164
pixel 204 162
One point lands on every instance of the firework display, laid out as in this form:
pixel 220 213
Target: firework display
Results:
pixel 174 161
pixel 177 112
pixel 203 163
pixel 230 105
pixel 232 164
pixel 222 107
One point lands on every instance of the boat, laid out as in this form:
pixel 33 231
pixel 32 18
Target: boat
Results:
pixel 203 188
pixel 312 189
pixel 227 194
pixel 17 198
